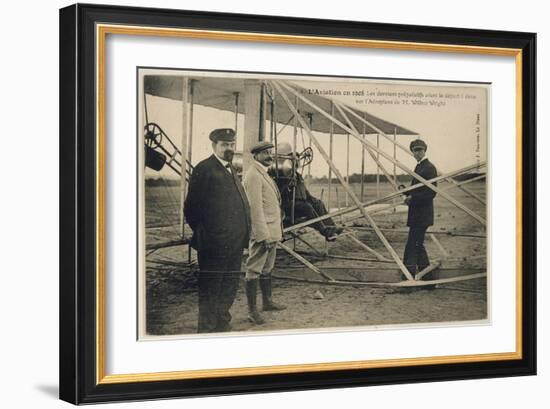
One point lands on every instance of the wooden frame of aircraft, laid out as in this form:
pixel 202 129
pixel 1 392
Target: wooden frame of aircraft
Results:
pixel 280 102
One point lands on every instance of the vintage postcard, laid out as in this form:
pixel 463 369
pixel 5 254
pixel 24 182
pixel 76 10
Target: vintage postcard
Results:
pixel 273 202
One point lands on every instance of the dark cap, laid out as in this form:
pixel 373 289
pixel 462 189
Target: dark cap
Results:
pixel 418 143
pixel 261 146
pixel 222 134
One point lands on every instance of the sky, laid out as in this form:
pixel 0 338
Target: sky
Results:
pixel 451 118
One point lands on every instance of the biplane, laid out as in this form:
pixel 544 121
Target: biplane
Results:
pixel 271 105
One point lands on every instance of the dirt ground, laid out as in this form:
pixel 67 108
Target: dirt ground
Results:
pixel 171 297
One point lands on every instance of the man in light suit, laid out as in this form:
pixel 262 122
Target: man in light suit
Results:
pixel 217 210
pixel 266 230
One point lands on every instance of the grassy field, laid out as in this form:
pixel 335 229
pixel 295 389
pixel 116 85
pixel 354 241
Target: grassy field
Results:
pixel 171 283
pixel 162 207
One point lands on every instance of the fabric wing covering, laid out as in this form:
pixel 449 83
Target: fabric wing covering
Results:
pixel 220 93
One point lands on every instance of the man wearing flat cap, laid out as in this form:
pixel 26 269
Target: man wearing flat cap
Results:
pixel 421 210
pixel 217 211
pixel 266 230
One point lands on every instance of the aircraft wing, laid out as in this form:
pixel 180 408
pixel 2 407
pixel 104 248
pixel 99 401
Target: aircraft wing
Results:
pixel 220 93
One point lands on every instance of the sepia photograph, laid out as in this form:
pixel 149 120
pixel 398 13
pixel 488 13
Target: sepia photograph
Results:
pixel 276 203
pixel 264 203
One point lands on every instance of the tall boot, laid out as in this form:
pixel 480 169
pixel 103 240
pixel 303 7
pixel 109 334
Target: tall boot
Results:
pixel 267 302
pixel 331 233
pixel 251 291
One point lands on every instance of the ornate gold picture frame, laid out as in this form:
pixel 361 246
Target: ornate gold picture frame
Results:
pixel 87 376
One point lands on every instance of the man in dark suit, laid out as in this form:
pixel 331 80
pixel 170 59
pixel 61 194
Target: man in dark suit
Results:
pixel 421 210
pixel 217 211
pixel 306 205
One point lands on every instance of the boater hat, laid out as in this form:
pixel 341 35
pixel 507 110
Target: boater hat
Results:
pixel 284 148
pixel 418 143
pixel 261 146
pixel 222 134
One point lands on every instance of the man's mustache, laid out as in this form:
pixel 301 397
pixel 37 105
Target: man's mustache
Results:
pixel 228 155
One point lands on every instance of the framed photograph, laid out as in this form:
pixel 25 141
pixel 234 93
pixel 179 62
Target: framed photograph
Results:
pixel 257 203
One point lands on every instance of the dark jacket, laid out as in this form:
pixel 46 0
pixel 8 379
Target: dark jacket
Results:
pixel 217 209
pixel 285 184
pixel 421 206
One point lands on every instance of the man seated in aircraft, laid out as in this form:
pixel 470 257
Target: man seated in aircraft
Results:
pixel 306 206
